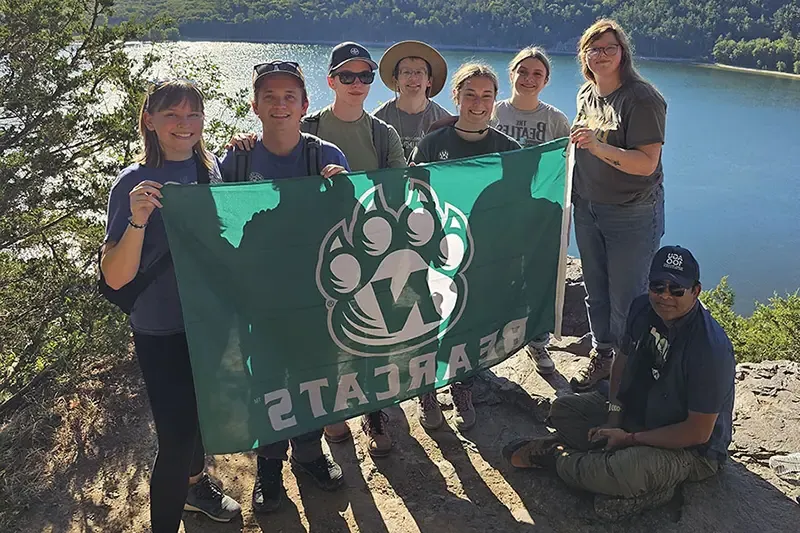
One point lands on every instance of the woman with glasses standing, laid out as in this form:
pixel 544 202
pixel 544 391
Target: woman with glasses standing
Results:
pixel 618 193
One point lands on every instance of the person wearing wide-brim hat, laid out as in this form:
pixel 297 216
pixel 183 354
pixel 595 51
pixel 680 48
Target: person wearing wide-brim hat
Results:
pixel 415 72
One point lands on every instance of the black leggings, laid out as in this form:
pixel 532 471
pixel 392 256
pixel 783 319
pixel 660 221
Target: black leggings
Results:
pixel 164 361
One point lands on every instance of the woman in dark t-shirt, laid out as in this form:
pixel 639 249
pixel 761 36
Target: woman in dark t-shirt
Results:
pixel 617 192
pixel 474 93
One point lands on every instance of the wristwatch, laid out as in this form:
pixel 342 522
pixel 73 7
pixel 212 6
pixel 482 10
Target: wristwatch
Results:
pixel 614 408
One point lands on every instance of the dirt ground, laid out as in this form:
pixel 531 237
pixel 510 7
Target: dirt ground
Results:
pixel 437 482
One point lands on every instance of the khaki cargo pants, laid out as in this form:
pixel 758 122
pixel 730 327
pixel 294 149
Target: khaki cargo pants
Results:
pixel 627 472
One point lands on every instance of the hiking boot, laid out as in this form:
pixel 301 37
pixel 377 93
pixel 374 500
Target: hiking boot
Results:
pixel 268 488
pixel 612 508
pixel 541 358
pixel 325 471
pixel 338 432
pixel 599 368
pixel 462 401
pixel 430 412
pixel 206 497
pixel 374 426
pixel 533 453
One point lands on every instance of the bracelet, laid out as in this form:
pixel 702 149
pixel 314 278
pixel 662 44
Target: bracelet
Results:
pixel 135 225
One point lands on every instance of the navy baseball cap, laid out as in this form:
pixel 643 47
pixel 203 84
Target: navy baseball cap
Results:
pixel 677 265
pixel 349 51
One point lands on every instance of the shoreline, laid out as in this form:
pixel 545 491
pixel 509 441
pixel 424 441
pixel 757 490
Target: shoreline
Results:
pixel 503 49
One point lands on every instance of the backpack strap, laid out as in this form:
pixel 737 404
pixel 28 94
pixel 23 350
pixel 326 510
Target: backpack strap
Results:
pixel 380 140
pixel 310 123
pixel 242 160
pixel 313 153
pixel 203 177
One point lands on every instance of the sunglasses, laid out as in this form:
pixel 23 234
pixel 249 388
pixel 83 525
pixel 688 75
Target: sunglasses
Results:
pixel 349 78
pixel 658 287
pixel 153 86
pixel 280 66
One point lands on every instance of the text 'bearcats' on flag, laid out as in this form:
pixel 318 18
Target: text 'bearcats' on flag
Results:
pixel 310 301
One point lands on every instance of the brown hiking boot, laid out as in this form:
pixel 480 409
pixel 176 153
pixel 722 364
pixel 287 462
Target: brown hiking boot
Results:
pixel 533 453
pixel 465 411
pixel 374 426
pixel 599 367
pixel 338 432
pixel 430 412
pixel 612 508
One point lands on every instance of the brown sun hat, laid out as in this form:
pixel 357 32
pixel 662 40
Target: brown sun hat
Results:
pixel 404 49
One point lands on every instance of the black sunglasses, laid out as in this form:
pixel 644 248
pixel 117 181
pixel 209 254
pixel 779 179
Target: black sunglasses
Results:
pixel 349 78
pixel 659 287
pixel 280 66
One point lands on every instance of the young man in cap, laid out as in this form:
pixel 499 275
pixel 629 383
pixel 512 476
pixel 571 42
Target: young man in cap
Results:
pixel 416 72
pixel 670 408
pixel 368 142
pixel 280 100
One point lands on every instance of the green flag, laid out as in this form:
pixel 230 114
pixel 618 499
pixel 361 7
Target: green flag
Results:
pixel 310 301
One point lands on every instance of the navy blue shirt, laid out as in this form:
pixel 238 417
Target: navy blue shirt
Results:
pixel 157 310
pixel 266 165
pixel 673 369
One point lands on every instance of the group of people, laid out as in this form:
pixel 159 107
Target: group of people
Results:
pixel 666 416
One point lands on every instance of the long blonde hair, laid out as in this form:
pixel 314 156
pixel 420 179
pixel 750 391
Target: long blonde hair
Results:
pixel 473 70
pixel 162 96
pixel 530 52
pixel 627 71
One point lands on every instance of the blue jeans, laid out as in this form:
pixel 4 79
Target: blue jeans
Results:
pixel 616 244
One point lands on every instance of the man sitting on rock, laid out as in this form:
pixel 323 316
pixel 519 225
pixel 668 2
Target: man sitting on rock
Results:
pixel 669 414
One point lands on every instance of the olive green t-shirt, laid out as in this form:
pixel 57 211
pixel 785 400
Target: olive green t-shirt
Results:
pixel 445 144
pixel 354 139
pixel 633 115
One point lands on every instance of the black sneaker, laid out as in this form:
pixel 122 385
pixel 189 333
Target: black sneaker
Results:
pixel 325 471
pixel 268 487
pixel 206 497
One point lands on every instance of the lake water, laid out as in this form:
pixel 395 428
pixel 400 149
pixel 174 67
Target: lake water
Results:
pixel 731 158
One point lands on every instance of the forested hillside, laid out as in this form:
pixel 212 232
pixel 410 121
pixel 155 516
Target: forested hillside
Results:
pixel 753 33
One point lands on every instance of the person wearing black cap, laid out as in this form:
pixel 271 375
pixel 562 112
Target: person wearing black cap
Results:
pixel 415 72
pixel 367 142
pixel 669 414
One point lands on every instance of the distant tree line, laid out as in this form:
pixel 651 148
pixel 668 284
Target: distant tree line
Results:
pixel 753 33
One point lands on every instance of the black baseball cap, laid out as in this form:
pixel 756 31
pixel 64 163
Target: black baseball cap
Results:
pixel 349 51
pixel 677 265
pixel 262 70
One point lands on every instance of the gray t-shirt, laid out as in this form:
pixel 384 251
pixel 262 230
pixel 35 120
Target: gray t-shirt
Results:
pixel 531 128
pixel 633 115
pixel 411 128
pixel 157 310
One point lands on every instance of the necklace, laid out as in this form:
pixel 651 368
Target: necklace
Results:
pixel 479 132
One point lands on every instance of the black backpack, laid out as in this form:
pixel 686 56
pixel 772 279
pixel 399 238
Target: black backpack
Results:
pixel 126 296
pixel 313 151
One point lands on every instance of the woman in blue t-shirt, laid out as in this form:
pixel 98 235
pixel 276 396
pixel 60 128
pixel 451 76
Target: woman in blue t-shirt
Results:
pixel 171 126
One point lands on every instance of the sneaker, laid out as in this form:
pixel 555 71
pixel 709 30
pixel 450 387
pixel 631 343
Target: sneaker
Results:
pixel 599 368
pixel 465 411
pixel 268 488
pixel 374 426
pixel 430 412
pixel 206 497
pixel 533 453
pixel 541 358
pixel 612 508
pixel 338 432
pixel 325 471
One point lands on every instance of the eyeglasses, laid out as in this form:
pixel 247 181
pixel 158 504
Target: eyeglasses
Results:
pixel 659 287
pixel 280 66
pixel 610 50
pixel 349 78
pixel 406 73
